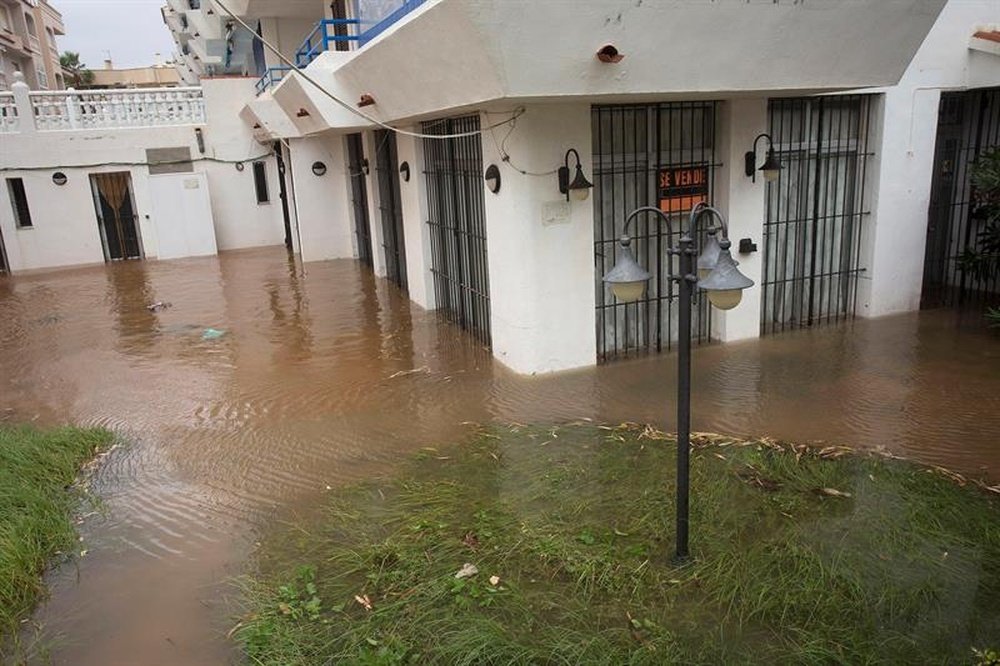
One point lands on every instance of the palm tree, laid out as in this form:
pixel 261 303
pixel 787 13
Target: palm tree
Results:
pixel 77 74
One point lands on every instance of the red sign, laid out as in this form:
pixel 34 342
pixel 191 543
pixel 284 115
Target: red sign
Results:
pixel 681 188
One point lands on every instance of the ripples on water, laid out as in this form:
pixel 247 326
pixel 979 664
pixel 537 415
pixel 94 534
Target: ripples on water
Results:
pixel 325 377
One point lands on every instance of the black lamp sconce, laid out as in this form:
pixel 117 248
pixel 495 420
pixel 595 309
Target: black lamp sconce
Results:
pixel 365 169
pixel 492 177
pixel 404 171
pixel 318 169
pixel 59 178
pixel 200 138
pixel 580 187
pixel 771 167
pixel 240 166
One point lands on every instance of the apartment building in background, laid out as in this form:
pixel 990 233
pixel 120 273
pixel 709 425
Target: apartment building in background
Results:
pixel 28 31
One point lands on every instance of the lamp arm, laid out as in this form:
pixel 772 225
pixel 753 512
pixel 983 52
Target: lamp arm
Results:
pixel 566 157
pixel 702 209
pixel 648 209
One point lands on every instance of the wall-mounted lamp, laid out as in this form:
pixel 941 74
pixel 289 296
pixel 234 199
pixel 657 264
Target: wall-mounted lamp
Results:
pixel 492 177
pixel 579 188
pixel 771 167
pixel 200 137
pixel 59 178
pixel 365 169
pixel 301 113
pixel 319 169
pixel 404 171
pixel 366 100
pixel 240 166
pixel 609 53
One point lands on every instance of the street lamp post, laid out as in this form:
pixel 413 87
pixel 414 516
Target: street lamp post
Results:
pixel 715 272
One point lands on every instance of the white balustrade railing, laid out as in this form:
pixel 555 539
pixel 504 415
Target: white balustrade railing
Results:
pixel 8 112
pixel 117 109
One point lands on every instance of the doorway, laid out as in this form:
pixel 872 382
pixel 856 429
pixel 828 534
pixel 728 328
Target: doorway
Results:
pixel 3 257
pixel 356 167
pixel 283 193
pixel 116 215
pixel 387 167
pixel 968 126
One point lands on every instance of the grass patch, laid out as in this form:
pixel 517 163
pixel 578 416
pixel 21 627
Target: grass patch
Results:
pixel 801 556
pixel 37 469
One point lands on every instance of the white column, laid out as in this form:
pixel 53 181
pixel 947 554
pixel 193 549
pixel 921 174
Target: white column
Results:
pixel 541 247
pixel 416 234
pixel 744 204
pixel 895 235
pixel 325 222
pixel 22 98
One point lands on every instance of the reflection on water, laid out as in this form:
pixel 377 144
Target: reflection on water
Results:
pixel 325 377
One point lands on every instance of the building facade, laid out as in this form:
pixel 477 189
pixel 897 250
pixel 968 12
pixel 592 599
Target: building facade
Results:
pixel 28 31
pixel 382 119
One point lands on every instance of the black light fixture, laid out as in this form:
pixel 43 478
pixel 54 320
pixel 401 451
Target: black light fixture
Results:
pixel 579 188
pixel 200 138
pixel 318 168
pixel 59 178
pixel 492 177
pixel 714 272
pixel 771 167
pixel 364 166
pixel 404 171
pixel 240 166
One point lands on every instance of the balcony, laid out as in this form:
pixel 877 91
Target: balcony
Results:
pixel 103 109
pixel 326 32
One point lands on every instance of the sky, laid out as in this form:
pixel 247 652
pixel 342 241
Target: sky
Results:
pixel 132 30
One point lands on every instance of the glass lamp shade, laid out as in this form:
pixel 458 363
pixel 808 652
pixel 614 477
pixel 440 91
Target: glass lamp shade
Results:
pixel 629 292
pixel 580 194
pixel 627 278
pixel 771 168
pixel 725 284
pixel 725 300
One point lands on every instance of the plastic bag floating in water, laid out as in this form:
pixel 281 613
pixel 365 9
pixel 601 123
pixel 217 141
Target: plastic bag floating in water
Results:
pixel 212 334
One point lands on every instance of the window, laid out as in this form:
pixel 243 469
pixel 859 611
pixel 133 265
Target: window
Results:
pixel 43 79
pixel 30 23
pixel 260 182
pixel 19 202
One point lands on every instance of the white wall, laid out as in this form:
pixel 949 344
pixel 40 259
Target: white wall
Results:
pixel 895 235
pixel 240 221
pixel 322 202
pixel 541 270
pixel 416 232
pixel 743 202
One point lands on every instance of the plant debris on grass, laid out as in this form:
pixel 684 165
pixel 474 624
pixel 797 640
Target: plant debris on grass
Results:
pixel 37 469
pixel 532 545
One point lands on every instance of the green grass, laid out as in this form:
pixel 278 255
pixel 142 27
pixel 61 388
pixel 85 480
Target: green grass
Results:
pixel 37 469
pixel 577 523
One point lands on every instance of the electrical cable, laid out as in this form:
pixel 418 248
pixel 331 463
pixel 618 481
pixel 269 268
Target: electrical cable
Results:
pixel 346 105
pixel 147 163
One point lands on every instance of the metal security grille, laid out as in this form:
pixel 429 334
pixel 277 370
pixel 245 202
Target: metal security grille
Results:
pixel 455 201
pixel 968 126
pixel 359 196
pixel 815 210
pixel 633 146
pixel 116 216
pixel 387 169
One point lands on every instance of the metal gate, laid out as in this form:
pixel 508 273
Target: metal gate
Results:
pixel 387 170
pixel 3 257
pixel 356 167
pixel 968 126
pixel 633 145
pixel 455 202
pixel 116 216
pixel 815 210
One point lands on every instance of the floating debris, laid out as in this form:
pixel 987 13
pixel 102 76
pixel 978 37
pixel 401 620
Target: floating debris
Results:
pixel 467 571
pixel 212 334
pixel 158 305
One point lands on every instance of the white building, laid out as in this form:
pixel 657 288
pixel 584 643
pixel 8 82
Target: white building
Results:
pixel 848 92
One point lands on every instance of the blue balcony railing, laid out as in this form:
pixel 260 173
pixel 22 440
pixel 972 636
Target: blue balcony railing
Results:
pixel 332 31
pixel 271 77
pixel 322 36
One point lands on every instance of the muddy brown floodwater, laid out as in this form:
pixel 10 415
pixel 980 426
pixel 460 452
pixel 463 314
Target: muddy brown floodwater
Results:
pixel 326 377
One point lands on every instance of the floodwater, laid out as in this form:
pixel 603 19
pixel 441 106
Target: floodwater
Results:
pixel 326 376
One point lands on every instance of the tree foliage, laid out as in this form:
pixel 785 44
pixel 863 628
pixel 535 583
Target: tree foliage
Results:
pixel 77 74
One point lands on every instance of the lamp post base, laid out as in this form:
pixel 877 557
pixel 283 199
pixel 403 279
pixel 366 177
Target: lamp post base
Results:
pixel 679 560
